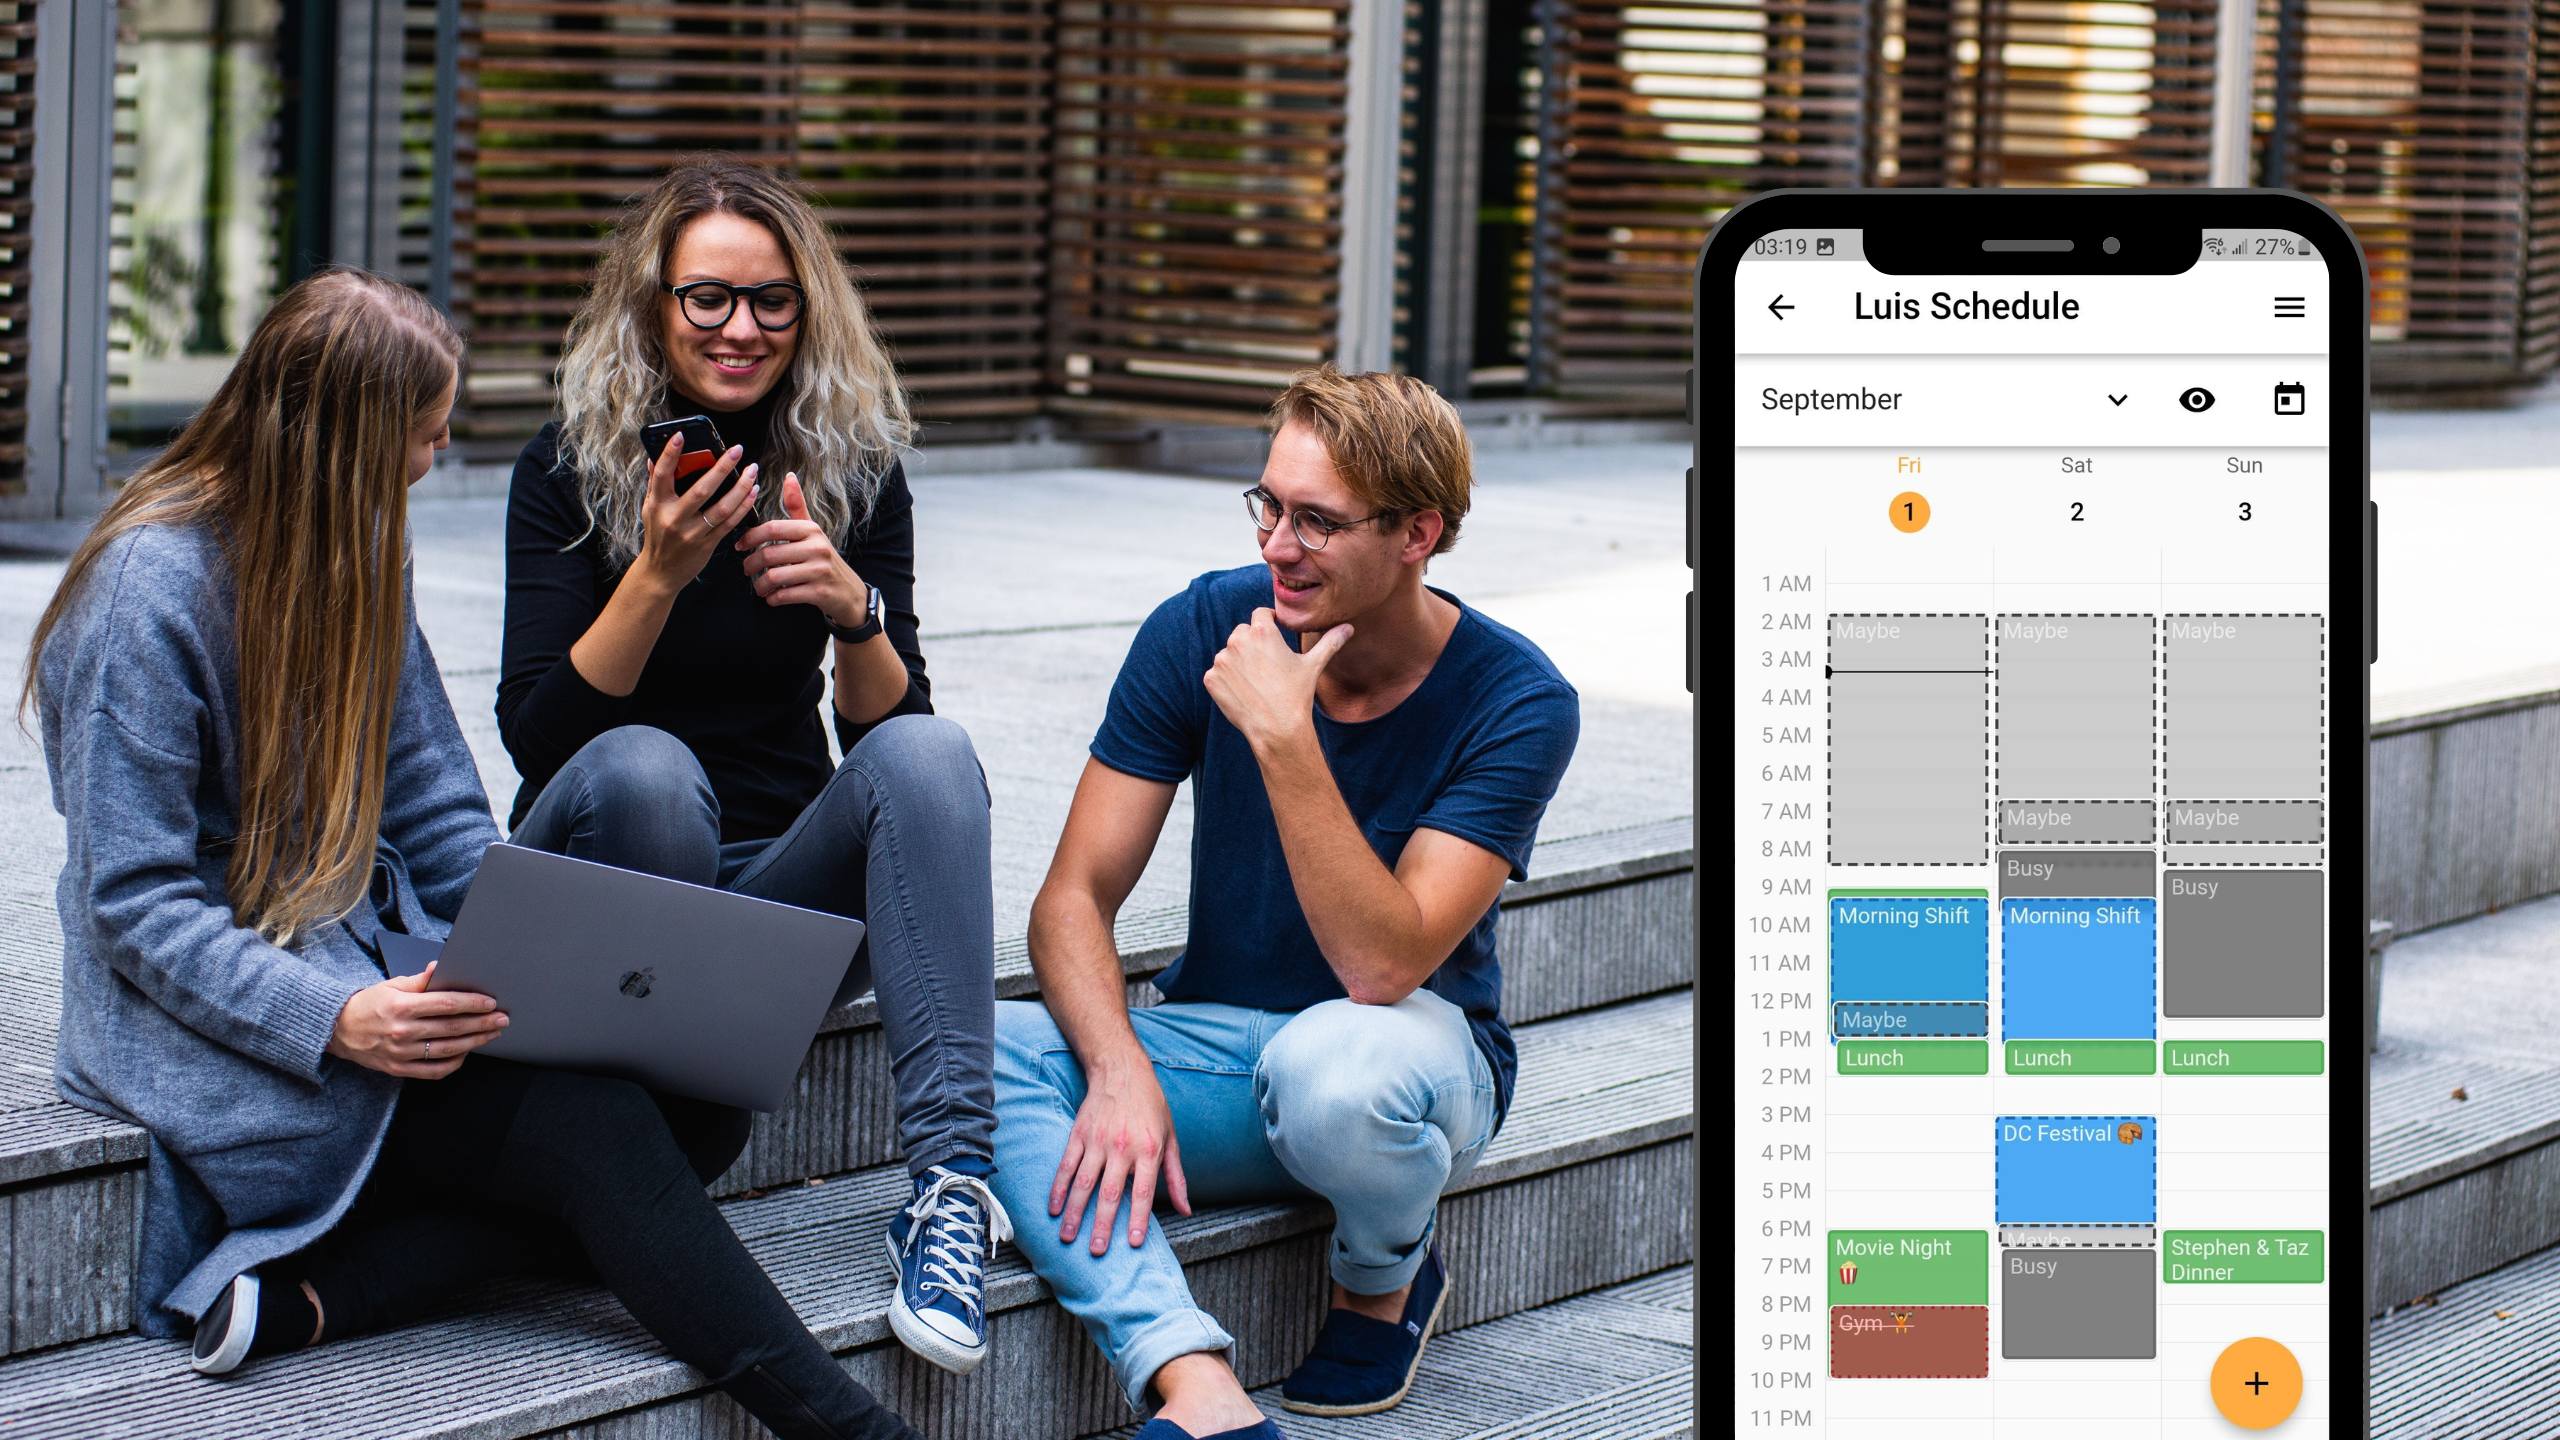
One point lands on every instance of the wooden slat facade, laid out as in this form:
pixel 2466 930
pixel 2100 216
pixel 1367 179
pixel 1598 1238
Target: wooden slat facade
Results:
pixel 1198 201
pixel 919 126
pixel 1654 119
pixel 1657 117
pixel 2430 127
pixel 1136 206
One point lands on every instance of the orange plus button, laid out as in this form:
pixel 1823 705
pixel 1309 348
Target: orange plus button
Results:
pixel 2256 1383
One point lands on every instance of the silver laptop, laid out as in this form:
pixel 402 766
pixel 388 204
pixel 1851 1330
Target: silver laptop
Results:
pixel 684 989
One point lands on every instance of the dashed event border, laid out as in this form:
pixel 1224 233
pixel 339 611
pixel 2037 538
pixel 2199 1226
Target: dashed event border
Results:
pixel 2320 631
pixel 2152 1121
pixel 2159 718
pixel 2152 840
pixel 1982 1034
pixel 2156 959
pixel 1831 959
pixel 1830 727
pixel 1831 1351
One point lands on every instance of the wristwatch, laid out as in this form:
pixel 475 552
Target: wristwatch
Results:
pixel 869 627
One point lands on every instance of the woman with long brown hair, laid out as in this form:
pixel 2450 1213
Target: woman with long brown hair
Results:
pixel 661 684
pixel 260 773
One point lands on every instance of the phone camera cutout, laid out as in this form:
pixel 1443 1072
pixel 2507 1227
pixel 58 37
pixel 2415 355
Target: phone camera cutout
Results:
pixel 2110 245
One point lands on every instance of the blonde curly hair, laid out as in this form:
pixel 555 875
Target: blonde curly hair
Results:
pixel 841 420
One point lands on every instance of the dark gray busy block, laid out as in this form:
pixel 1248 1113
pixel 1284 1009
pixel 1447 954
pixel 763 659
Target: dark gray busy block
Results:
pixel 2092 1304
pixel 2237 943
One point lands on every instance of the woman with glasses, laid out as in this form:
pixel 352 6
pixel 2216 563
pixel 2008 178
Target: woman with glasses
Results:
pixel 661 685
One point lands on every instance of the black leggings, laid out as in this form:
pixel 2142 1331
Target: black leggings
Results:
pixel 504 1169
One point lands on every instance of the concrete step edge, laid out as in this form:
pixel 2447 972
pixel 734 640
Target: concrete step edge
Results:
pixel 58 1139
pixel 1617 1363
pixel 833 1228
pixel 2476 1362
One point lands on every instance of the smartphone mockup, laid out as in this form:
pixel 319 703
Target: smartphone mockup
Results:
pixel 2034 544
pixel 701 451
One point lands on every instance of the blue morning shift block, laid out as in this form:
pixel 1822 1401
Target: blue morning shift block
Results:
pixel 2076 1170
pixel 1922 947
pixel 2079 969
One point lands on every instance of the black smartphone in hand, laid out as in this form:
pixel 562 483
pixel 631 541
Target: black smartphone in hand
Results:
pixel 702 450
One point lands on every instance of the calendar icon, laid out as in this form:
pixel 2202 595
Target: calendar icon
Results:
pixel 2289 398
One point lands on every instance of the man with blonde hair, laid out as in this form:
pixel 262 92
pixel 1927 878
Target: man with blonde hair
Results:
pixel 1369 759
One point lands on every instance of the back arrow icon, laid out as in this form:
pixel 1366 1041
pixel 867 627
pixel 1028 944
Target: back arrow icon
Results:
pixel 1779 310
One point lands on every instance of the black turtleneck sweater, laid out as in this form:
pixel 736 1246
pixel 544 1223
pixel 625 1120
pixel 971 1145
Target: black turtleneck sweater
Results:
pixel 737 680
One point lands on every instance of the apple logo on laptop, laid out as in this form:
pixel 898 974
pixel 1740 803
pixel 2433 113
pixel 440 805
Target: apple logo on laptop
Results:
pixel 636 983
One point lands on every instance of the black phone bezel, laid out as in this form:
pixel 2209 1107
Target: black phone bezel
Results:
pixel 2158 233
pixel 653 439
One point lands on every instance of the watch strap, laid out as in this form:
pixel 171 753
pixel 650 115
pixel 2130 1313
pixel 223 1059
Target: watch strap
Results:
pixel 871 621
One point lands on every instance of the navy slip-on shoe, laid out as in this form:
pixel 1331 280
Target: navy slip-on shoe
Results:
pixel 1167 1430
pixel 1361 1366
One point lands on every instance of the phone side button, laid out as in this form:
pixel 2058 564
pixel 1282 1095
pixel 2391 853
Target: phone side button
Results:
pixel 2372 582
pixel 1692 646
pixel 1690 531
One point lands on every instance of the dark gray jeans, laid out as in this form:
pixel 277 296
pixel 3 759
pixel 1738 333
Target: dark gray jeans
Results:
pixel 898 839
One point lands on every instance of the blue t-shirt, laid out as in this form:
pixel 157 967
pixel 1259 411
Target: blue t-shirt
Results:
pixel 1475 752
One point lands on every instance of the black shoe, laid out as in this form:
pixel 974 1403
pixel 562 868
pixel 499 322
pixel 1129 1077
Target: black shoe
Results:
pixel 223 1335
pixel 1161 1429
pixel 1361 1366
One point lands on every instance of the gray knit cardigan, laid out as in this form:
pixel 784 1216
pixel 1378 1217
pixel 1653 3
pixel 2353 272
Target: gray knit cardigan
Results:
pixel 174 1017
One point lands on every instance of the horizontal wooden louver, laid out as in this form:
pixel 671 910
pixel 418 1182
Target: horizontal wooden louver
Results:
pixel 1658 117
pixel 1198 200
pixel 919 126
pixel 2423 126
pixel 2067 92
pixel 923 127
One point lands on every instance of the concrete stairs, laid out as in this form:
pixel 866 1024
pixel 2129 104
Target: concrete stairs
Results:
pixel 1614 1364
pixel 2466 1181
pixel 1592 1183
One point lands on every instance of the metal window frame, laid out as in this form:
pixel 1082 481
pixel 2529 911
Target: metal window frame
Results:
pixel 67 264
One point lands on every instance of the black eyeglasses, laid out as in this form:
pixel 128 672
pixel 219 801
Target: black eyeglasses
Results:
pixel 1313 530
pixel 707 304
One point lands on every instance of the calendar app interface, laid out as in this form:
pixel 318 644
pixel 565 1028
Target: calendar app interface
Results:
pixel 2031 696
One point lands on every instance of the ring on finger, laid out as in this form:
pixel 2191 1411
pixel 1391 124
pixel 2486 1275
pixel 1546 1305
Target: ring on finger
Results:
pixel 427 1050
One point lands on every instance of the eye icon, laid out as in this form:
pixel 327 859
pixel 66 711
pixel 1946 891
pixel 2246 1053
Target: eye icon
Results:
pixel 2196 398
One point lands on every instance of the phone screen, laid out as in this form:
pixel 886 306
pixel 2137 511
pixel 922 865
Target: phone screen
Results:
pixel 2041 849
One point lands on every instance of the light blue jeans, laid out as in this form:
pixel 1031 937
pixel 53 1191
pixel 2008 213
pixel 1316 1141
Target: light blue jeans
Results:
pixel 1378 1109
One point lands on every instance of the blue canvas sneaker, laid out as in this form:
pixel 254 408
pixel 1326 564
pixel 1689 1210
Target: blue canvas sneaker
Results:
pixel 1360 1366
pixel 940 1246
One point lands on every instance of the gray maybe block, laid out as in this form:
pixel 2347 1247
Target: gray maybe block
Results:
pixel 2078 822
pixel 2238 943
pixel 2077 874
pixel 1910 743
pixel 2244 697
pixel 2246 821
pixel 2076 699
pixel 2079 1304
